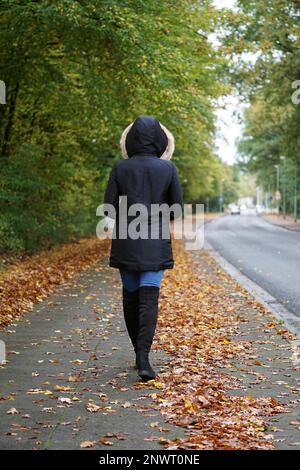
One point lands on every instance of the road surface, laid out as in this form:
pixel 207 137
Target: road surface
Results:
pixel 267 254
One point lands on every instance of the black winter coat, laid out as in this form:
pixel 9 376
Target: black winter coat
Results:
pixel 145 177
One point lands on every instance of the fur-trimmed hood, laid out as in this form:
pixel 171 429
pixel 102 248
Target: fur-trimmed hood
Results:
pixel 147 136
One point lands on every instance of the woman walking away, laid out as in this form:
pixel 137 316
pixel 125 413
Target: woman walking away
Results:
pixel 146 177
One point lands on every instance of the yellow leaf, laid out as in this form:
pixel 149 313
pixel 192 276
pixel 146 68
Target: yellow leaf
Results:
pixel 77 361
pixel 226 341
pixel 187 402
pixel 157 384
pixel 154 425
pixel 61 388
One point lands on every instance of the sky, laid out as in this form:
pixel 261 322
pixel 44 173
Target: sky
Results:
pixel 224 3
pixel 228 126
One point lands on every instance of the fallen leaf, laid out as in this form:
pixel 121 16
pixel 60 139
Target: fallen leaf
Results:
pixel 87 444
pixel 105 442
pixel 93 408
pixel 12 411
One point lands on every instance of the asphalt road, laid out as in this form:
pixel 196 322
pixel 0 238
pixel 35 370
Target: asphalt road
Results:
pixel 267 254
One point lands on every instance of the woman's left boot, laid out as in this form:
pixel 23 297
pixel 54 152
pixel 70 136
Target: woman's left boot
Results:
pixel 131 313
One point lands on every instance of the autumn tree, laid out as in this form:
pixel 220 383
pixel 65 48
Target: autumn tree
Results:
pixel 77 72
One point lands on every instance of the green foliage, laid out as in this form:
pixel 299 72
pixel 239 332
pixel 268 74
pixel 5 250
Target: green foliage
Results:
pixel 270 31
pixel 77 72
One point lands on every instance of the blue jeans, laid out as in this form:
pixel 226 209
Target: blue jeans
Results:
pixel 132 280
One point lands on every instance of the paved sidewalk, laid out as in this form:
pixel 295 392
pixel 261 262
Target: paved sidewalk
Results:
pixel 287 222
pixel 69 380
pixel 76 338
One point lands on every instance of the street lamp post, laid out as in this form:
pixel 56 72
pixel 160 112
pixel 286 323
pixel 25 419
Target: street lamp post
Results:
pixel 277 188
pixel 295 193
pixel 284 185
pixel 267 196
pixel 207 204
pixel 221 196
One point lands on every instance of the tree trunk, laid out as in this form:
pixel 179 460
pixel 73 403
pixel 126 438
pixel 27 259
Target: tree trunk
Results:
pixel 9 121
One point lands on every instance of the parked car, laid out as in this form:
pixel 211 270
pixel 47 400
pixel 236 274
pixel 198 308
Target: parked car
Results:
pixel 234 209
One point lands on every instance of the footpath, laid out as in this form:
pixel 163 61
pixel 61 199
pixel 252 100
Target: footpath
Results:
pixel 228 376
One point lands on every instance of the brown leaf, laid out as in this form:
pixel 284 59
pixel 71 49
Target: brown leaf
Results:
pixel 93 408
pixel 87 444
pixel 105 442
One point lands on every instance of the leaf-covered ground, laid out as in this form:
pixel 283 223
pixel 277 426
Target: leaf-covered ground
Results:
pixel 288 221
pixel 201 314
pixel 226 379
pixel 69 381
pixel 27 282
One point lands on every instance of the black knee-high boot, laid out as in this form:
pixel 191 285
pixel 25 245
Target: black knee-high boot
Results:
pixel 148 311
pixel 131 313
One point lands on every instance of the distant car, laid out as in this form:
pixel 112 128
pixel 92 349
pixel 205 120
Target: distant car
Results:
pixel 234 209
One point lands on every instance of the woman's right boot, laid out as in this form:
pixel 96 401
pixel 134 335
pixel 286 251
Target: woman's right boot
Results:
pixel 148 311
